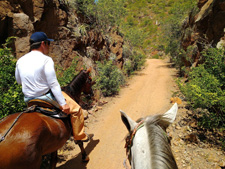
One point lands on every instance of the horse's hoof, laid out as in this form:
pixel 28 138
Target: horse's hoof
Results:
pixel 85 159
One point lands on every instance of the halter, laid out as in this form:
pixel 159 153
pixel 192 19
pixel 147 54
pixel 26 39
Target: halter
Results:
pixel 129 141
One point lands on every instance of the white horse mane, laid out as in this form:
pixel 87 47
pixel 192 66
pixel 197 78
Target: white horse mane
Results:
pixel 160 151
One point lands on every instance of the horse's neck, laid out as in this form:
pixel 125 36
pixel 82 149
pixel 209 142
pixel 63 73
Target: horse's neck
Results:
pixel 151 149
pixel 75 87
pixel 73 91
pixel 141 150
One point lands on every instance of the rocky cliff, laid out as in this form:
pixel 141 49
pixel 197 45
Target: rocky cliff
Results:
pixel 20 18
pixel 204 28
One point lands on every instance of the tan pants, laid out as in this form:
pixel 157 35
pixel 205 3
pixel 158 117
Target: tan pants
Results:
pixel 76 117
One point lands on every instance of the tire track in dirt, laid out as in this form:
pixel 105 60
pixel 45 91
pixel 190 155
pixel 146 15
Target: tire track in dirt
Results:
pixel 148 92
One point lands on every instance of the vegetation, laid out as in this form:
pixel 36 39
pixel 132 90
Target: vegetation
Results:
pixel 65 76
pixel 11 97
pixel 178 12
pixel 205 86
pixel 206 89
pixel 145 25
pixel 110 78
pixel 134 62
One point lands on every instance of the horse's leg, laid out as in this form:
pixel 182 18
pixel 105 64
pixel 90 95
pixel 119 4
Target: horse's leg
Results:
pixel 85 157
pixel 53 160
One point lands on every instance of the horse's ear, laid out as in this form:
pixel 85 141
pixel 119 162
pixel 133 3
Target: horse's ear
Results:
pixel 89 70
pixel 170 115
pixel 129 123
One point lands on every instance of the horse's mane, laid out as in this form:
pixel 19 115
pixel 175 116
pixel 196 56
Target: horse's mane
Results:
pixel 75 85
pixel 161 153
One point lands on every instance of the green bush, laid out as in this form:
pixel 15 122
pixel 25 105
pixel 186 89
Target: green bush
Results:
pixel 214 62
pixel 65 76
pixel 135 36
pixel 138 60
pixel 11 97
pixel 133 62
pixel 110 78
pixel 205 88
pixel 128 67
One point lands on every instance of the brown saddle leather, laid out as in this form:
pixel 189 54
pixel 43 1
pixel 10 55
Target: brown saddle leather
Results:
pixel 46 108
pixel 40 103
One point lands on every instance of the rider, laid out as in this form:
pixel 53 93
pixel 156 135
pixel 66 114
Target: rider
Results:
pixel 35 71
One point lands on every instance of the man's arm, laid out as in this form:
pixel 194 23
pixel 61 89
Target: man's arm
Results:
pixel 53 82
pixel 17 75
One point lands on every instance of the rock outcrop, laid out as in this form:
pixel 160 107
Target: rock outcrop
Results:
pixel 20 18
pixel 204 28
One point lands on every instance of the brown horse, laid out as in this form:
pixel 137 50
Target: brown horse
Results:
pixel 34 134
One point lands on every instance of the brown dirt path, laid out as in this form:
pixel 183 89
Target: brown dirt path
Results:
pixel 148 92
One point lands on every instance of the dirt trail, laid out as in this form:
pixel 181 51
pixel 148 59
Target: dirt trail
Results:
pixel 148 92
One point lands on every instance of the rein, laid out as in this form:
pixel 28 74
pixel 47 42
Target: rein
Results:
pixel 129 141
pixel 3 137
pixel 28 109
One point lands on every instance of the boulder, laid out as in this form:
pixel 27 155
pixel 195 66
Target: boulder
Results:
pixel 22 25
pixel 23 29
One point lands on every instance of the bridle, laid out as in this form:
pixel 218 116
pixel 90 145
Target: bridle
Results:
pixel 129 141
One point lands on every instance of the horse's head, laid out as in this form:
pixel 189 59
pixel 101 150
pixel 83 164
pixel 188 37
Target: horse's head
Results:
pixel 81 83
pixel 148 145
pixel 87 88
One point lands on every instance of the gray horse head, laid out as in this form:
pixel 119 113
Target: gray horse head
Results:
pixel 149 145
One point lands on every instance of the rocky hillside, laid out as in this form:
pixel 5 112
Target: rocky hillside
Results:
pixel 203 28
pixel 20 18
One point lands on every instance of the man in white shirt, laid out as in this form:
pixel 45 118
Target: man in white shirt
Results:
pixel 35 72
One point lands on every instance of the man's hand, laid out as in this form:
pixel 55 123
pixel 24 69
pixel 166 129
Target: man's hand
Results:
pixel 66 108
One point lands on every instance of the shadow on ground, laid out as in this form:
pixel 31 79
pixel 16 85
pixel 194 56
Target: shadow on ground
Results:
pixel 76 162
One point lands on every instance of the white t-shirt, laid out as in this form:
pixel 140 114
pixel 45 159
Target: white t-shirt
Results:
pixel 35 71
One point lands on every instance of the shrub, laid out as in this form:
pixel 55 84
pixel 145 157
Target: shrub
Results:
pixel 128 67
pixel 205 88
pixel 133 62
pixel 215 64
pixel 65 76
pixel 11 97
pixel 110 78
pixel 138 60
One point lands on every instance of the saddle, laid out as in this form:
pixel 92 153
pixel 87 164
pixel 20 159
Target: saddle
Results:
pixel 45 108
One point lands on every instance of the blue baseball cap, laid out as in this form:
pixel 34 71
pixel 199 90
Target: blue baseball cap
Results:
pixel 39 37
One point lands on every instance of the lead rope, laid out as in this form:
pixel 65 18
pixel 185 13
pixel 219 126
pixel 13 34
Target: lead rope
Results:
pixel 129 141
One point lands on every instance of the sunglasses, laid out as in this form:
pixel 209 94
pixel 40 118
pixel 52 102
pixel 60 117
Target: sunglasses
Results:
pixel 47 42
